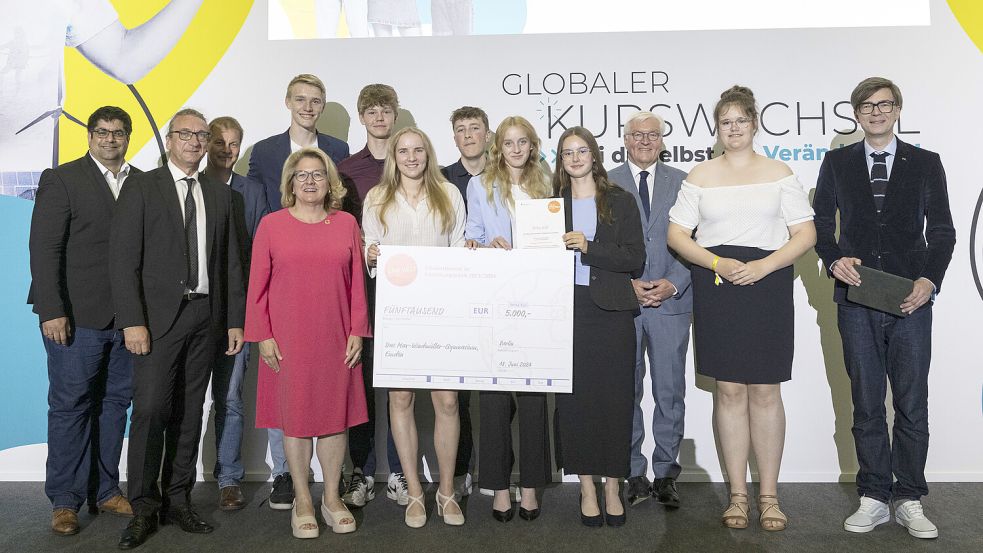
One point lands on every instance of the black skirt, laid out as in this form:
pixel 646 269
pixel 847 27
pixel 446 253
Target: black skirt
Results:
pixel 743 334
pixel 593 424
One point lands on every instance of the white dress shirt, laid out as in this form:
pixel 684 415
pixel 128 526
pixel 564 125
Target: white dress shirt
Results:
pixel 891 149
pixel 636 174
pixel 115 182
pixel 181 189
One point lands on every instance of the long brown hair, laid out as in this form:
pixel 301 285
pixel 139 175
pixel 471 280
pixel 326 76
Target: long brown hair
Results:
pixel 561 179
pixel 383 195
pixel 534 179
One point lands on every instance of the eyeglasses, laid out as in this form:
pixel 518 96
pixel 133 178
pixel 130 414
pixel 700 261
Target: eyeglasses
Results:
pixel 103 133
pixel 884 106
pixel 317 175
pixel 185 135
pixel 739 123
pixel 568 154
pixel 652 136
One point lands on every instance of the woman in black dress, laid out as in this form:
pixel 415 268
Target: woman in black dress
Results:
pixel 752 220
pixel 604 229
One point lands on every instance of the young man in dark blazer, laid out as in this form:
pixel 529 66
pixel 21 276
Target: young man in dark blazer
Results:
pixel 894 216
pixel 177 286
pixel 89 369
pixel 662 328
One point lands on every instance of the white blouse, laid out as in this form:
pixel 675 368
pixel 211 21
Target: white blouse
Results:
pixel 752 215
pixel 409 226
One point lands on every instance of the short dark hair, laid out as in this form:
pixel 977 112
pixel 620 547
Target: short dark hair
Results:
pixel 110 113
pixel 869 86
pixel 469 112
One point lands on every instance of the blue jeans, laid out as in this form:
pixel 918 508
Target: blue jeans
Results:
pixel 89 390
pixel 227 396
pixel 878 348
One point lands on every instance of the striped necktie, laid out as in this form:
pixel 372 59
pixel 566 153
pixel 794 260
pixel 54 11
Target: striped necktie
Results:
pixel 878 178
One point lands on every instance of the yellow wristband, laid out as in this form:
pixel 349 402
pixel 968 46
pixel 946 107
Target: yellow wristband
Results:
pixel 713 266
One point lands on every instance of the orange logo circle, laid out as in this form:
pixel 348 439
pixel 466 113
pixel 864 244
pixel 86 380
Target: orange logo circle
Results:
pixel 401 269
pixel 553 206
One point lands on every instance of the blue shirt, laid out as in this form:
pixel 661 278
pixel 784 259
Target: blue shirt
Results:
pixel 584 220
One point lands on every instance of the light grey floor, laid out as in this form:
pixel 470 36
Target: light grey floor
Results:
pixel 816 513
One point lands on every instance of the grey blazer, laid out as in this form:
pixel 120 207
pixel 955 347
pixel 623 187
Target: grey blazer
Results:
pixel 660 261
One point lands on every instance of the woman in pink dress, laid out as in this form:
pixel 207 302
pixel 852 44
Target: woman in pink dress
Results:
pixel 306 308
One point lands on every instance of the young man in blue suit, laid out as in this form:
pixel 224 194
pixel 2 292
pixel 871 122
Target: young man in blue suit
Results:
pixel 305 100
pixel 894 216
pixel 248 207
pixel 662 328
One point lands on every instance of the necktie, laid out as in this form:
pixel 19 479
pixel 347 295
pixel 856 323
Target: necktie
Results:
pixel 878 178
pixel 643 193
pixel 191 234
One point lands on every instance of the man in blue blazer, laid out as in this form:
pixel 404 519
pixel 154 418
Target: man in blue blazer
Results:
pixel 662 328
pixel 305 100
pixel 894 216
pixel 248 207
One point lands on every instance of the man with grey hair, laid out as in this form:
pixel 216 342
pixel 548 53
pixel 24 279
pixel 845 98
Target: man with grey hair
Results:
pixel 662 328
pixel 176 278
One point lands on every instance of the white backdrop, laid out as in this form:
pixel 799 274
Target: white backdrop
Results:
pixel 804 76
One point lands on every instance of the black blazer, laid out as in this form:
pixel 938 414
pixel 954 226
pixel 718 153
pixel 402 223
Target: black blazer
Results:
pixel 147 261
pixel 617 253
pixel 69 245
pixel 913 235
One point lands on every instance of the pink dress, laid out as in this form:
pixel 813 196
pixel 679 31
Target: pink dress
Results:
pixel 307 291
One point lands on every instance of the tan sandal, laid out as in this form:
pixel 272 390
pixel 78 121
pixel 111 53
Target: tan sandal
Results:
pixel 770 512
pixel 736 515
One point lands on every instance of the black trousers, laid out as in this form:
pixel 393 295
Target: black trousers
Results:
pixel 168 392
pixel 495 455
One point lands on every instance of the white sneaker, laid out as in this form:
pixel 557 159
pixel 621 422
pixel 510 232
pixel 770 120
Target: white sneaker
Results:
pixel 361 490
pixel 396 488
pixel 463 485
pixel 870 514
pixel 909 514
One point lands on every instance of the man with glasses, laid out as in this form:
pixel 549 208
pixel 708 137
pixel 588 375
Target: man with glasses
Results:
pixel 662 328
pixel 89 369
pixel 305 101
pixel 177 285
pixel 249 206
pixel 894 216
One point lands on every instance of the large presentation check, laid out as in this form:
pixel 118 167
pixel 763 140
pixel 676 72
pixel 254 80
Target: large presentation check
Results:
pixel 486 319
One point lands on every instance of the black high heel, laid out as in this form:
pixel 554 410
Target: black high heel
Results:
pixel 528 514
pixel 503 516
pixel 595 521
pixel 616 521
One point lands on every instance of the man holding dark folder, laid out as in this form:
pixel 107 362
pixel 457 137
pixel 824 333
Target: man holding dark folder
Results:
pixel 894 217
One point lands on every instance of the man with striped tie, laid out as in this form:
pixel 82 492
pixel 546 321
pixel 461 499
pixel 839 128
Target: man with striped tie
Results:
pixel 894 216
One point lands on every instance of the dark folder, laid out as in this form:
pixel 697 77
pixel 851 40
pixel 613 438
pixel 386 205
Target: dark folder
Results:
pixel 879 290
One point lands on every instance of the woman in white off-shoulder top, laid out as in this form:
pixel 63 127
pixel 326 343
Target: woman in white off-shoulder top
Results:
pixel 752 220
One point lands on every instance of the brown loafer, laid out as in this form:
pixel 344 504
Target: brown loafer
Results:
pixel 64 522
pixel 230 499
pixel 116 505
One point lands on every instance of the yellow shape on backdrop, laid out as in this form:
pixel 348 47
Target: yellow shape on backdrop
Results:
pixel 166 88
pixel 969 13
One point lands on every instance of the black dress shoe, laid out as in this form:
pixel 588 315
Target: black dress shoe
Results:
pixel 615 521
pixel 186 517
pixel 528 514
pixel 595 521
pixel 503 516
pixel 137 531
pixel 639 489
pixel 664 491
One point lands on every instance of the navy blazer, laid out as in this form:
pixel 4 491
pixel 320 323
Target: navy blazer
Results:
pixel 616 254
pixel 269 155
pixel 69 244
pixel 249 206
pixel 660 261
pixel 913 235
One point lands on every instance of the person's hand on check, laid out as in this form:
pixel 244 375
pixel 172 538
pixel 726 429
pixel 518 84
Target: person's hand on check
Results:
pixel 500 242
pixel 575 240
pixel 372 255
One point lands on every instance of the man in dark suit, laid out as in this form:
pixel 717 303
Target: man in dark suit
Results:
pixel 894 216
pixel 89 369
pixel 305 100
pixel 249 206
pixel 662 328
pixel 176 276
